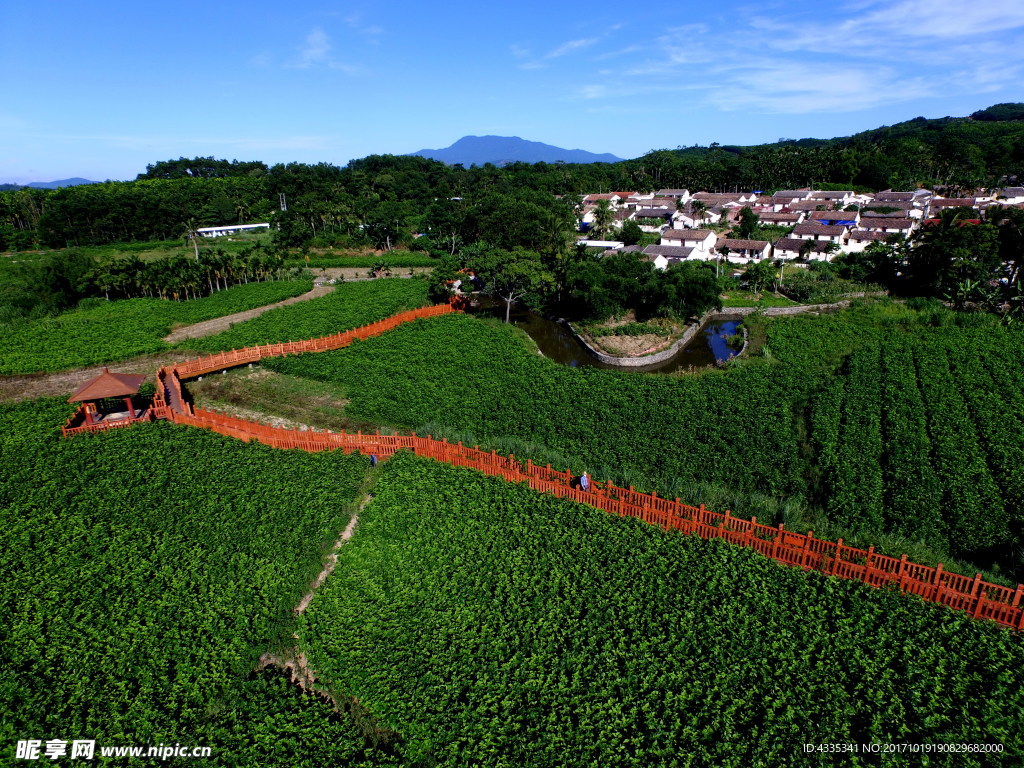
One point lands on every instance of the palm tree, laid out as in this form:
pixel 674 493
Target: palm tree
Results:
pixel 191 232
pixel 603 216
pixel 699 210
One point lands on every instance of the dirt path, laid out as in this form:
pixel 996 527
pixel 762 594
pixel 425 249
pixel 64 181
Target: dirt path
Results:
pixel 219 324
pixel 332 559
pixel 28 386
pixel 294 661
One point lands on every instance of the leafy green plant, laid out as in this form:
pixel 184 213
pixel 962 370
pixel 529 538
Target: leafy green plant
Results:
pixel 108 331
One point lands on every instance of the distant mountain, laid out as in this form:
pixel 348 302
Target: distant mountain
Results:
pixel 60 183
pixel 478 150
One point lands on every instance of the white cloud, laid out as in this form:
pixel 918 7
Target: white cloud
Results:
pixel 315 52
pixel 539 62
pixel 316 49
pixel 799 58
pixel 801 88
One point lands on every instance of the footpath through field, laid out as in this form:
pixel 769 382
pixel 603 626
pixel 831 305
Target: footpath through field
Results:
pixel 219 324
pixel 979 598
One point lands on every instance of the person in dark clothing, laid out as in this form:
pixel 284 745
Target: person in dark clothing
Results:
pixel 373 460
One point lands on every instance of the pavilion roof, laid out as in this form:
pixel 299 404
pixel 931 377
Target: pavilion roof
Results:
pixel 108 384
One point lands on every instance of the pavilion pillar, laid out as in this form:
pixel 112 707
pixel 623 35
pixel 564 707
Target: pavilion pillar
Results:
pixel 131 411
pixel 90 413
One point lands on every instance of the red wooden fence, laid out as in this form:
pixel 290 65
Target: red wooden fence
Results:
pixel 979 598
pixel 222 360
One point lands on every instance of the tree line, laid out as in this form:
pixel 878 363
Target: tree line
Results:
pixel 59 281
pixel 383 201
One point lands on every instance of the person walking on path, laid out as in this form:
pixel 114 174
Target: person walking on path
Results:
pixel 584 482
pixel 373 460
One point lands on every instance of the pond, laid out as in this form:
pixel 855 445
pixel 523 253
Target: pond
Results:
pixel 554 341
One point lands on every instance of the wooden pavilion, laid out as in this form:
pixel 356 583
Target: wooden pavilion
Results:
pixel 104 387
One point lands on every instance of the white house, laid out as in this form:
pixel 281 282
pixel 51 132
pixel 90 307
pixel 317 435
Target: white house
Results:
pixel 781 219
pixel 664 256
pixel 664 215
pixel 887 225
pixel 230 229
pixel 701 240
pixel 860 239
pixel 838 199
pixel 789 248
pixel 743 251
pixel 1010 195
pixel 828 233
pixel 678 194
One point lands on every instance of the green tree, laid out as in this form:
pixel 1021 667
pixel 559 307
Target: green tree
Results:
pixel 603 217
pixel 631 233
pixel 950 252
pixel 748 223
pixel 688 289
pixel 759 274
pixel 190 231
pixel 511 275
pixel 699 210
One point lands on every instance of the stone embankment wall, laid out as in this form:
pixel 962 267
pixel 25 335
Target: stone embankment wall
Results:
pixel 667 354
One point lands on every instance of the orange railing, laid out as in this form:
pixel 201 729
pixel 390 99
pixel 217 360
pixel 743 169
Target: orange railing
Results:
pixel 76 423
pixel 234 357
pixel 979 598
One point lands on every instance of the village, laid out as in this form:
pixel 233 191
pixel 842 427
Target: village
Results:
pixel 812 225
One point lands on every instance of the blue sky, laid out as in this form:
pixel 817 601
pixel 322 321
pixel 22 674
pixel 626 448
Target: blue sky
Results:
pixel 101 89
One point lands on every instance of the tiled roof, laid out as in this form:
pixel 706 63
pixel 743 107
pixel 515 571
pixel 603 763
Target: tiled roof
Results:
pixel 686 234
pixel 674 251
pixel 795 244
pixel 108 384
pixel 865 234
pixel 742 245
pixel 818 229
pixel 887 223
pixel 894 197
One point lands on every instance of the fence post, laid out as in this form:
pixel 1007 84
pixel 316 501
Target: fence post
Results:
pixel 805 555
pixel 976 594
pixel 776 542
pixel 867 564
pixel 839 556
pixel 901 572
pixel 937 582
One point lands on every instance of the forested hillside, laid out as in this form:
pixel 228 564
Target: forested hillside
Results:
pixel 379 200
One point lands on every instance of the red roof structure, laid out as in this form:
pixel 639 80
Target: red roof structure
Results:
pixel 108 384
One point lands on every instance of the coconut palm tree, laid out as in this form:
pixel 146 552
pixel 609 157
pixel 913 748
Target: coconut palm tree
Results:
pixel 699 210
pixel 603 216
pixel 191 233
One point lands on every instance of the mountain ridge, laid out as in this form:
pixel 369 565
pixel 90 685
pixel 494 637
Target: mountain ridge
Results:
pixel 500 150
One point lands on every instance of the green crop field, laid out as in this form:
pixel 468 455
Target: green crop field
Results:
pixel 146 571
pixel 107 332
pixel 475 622
pixel 488 625
pixel 350 305
pixel 828 414
pixel 458 375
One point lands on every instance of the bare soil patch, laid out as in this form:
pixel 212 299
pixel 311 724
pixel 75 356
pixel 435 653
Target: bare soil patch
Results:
pixel 26 387
pixel 632 346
